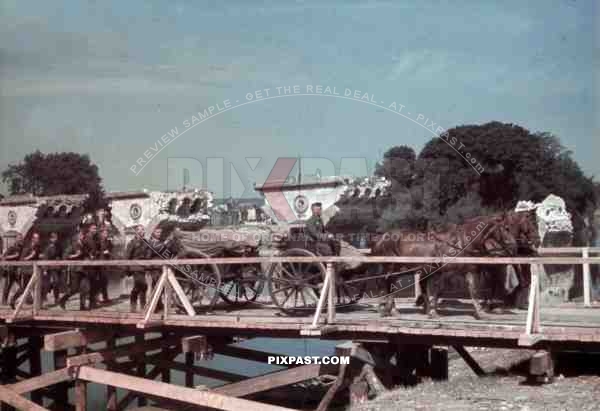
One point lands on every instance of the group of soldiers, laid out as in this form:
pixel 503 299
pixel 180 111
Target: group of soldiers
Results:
pixel 89 282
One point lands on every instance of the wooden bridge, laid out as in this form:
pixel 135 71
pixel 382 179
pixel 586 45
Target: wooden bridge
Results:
pixel 573 326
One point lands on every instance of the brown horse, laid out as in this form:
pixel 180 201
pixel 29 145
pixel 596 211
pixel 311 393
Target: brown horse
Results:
pixel 487 236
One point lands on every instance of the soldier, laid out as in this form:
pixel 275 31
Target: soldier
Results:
pixel 91 248
pixel 323 242
pixel 29 253
pixel 12 253
pixel 52 276
pixel 137 250
pixel 79 280
pixel 104 253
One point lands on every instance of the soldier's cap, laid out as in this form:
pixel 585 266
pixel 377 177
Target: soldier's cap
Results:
pixel 316 205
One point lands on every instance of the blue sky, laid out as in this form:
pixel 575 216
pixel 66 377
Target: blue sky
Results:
pixel 109 79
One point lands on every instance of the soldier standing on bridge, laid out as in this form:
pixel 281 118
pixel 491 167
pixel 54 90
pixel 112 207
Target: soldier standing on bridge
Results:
pixel 137 250
pixel 52 278
pixel 323 242
pixel 79 279
pixel 104 253
pixel 12 253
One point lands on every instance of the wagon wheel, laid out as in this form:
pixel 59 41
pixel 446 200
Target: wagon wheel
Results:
pixel 242 284
pixel 348 290
pixel 295 287
pixel 200 282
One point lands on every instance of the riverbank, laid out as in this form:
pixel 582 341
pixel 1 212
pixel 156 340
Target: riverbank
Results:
pixel 503 389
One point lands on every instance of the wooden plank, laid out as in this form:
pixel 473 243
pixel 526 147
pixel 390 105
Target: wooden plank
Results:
pixel 37 290
pixel 173 392
pixel 322 298
pixel 152 374
pixel 529 340
pixel 270 381
pixel 44 380
pixel 75 338
pixel 122 351
pixel 10 397
pixel 34 278
pixel 112 399
pixel 331 295
pixel 80 396
pixel 322 259
pixel 180 293
pixel 469 360
pixel 156 295
pixel 587 280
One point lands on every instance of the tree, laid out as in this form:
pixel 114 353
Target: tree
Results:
pixel 478 169
pixel 56 173
pixel 397 165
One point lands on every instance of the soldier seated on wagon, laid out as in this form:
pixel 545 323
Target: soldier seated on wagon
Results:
pixel 318 238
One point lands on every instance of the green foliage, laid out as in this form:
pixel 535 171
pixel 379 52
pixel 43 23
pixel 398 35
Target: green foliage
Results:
pixel 56 173
pixel 515 165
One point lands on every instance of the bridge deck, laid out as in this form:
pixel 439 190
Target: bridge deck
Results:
pixel 568 325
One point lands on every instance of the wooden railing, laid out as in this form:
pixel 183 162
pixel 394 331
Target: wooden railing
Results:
pixel 168 281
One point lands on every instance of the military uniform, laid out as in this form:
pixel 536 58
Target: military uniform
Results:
pixel 91 248
pixel 79 278
pixel 11 273
pixel 52 280
pixel 104 253
pixel 137 250
pixel 318 238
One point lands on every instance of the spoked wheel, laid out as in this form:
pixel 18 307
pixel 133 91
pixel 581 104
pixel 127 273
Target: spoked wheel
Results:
pixel 349 291
pixel 200 282
pixel 242 284
pixel 295 287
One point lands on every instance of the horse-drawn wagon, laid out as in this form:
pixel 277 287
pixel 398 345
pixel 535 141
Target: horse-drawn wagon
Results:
pixel 294 287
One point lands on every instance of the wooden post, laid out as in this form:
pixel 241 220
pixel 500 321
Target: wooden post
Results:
pixel 37 290
pixel 156 294
pixel 176 287
pixel 61 389
pixel 111 392
pixel 9 370
pixel 80 395
pixel 469 360
pixel 587 289
pixel 418 291
pixel 324 294
pixel 331 294
pixel 166 371
pixel 189 375
pixel 439 363
pixel 141 368
pixel 533 313
pixel 35 365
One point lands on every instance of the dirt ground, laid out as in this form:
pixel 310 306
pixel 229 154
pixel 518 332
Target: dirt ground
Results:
pixel 505 388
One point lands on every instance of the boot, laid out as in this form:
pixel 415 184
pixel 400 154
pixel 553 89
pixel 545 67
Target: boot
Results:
pixel 132 307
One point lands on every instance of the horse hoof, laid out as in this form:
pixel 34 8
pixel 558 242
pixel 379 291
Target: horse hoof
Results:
pixel 479 315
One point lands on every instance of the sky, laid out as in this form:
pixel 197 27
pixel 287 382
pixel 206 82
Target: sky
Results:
pixel 110 79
